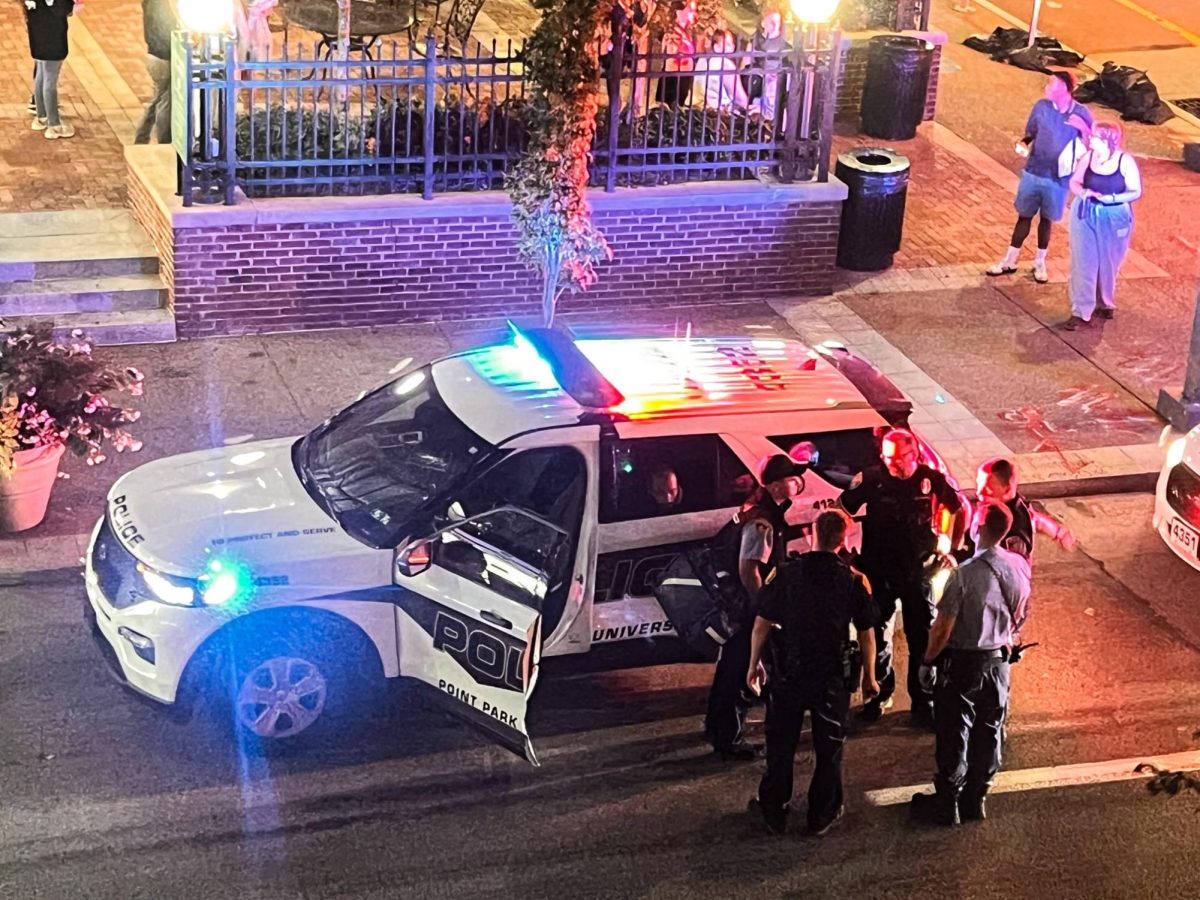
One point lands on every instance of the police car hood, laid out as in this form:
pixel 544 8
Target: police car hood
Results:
pixel 177 514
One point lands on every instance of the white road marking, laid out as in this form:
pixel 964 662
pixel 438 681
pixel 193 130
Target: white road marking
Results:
pixel 1056 776
pixel 1006 16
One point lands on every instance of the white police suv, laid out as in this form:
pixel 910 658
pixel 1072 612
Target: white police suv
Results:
pixel 495 515
pixel 1177 499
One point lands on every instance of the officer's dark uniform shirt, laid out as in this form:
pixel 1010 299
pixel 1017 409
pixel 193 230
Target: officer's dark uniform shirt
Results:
pixel 1020 537
pixel 898 529
pixel 813 598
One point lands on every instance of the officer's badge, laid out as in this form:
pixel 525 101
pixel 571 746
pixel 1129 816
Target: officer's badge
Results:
pixel 926 486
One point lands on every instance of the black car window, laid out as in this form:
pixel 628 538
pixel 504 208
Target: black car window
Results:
pixel 650 477
pixel 522 557
pixel 837 456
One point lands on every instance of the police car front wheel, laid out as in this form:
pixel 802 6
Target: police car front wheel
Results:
pixel 281 697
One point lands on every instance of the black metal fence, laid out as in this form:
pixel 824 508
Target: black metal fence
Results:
pixel 408 120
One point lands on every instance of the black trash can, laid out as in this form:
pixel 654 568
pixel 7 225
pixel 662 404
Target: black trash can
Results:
pixel 873 214
pixel 893 101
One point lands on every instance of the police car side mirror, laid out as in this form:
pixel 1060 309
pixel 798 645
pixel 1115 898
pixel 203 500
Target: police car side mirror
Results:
pixel 414 559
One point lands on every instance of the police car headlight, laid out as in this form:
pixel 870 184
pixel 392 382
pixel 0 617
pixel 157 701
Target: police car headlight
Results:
pixel 170 590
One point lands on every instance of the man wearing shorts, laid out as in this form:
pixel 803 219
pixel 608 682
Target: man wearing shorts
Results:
pixel 1050 134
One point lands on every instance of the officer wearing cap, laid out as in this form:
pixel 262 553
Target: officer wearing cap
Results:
pixel 904 500
pixel 805 611
pixel 967 665
pixel 762 546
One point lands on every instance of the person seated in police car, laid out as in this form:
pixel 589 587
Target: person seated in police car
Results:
pixel 804 614
pixel 966 665
pixel 900 534
pixel 762 547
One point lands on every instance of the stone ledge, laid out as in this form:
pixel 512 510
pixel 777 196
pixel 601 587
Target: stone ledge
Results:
pixel 154 166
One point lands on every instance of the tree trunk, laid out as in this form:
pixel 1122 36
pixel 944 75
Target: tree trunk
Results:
pixel 550 285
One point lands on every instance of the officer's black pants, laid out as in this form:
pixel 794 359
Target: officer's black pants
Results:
pixel 785 718
pixel 917 606
pixel 726 710
pixel 971 701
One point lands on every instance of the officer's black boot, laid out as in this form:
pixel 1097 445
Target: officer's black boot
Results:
pixel 973 807
pixel 936 809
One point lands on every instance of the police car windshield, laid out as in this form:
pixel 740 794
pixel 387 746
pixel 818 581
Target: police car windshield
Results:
pixel 376 465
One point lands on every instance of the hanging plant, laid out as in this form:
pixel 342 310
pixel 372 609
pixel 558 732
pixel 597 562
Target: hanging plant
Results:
pixel 548 187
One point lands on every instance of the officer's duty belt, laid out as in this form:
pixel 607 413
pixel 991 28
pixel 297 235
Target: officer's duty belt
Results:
pixel 1000 653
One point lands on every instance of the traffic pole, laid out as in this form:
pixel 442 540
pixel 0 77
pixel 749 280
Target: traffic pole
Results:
pixel 1184 412
pixel 1033 21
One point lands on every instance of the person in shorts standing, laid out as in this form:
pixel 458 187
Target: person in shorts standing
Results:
pixel 1056 136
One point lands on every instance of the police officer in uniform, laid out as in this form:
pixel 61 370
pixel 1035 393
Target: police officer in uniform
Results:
pixel 762 546
pixel 805 611
pixel 967 665
pixel 904 500
pixel 996 480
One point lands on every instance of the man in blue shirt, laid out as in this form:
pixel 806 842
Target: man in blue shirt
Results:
pixel 967 665
pixel 1055 124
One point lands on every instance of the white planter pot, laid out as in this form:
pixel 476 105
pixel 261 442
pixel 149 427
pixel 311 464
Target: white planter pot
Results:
pixel 25 494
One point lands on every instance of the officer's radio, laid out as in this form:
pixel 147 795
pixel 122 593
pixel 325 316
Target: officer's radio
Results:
pixel 852 664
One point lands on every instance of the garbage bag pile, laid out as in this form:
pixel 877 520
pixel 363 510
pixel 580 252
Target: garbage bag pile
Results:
pixel 1127 90
pixel 1009 45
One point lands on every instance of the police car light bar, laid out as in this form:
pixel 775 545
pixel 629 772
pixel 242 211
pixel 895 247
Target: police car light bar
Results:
pixel 572 369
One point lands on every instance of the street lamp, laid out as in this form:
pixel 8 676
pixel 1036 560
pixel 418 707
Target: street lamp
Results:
pixel 811 14
pixel 814 12
pixel 206 16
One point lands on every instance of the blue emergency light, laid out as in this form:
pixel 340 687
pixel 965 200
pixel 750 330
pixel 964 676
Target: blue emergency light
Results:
pixel 572 370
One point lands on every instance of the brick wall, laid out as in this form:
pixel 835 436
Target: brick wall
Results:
pixel 853 76
pixel 275 265
pixel 143 204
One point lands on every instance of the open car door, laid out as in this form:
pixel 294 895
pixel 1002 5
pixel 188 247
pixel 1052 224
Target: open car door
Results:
pixel 470 615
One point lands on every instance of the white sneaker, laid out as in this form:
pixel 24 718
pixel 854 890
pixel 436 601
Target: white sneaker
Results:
pixel 1040 275
pixel 62 131
pixel 1000 268
pixel 39 124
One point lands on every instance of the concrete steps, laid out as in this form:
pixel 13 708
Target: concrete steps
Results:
pixel 59 296
pixel 89 269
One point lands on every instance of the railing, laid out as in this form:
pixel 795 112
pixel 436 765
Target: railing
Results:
pixel 408 120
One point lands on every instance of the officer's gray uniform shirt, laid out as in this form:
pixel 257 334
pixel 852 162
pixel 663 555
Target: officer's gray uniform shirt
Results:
pixel 986 594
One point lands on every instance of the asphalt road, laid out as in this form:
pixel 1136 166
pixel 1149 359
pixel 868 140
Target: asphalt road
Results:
pixel 102 797
pixel 1097 26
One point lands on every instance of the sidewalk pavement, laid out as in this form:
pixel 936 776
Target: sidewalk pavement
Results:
pixel 980 357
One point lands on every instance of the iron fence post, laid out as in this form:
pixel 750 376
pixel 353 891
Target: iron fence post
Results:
pixel 616 62
pixel 229 121
pixel 829 95
pixel 186 179
pixel 430 111
pixel 789 150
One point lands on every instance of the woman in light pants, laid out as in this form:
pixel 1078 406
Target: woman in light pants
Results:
pixel 1105 183
pixel 46 22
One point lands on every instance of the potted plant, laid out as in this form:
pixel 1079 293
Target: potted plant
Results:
pixel 54 396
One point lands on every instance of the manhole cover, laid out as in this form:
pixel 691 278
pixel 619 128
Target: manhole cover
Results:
pixel 1191 105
